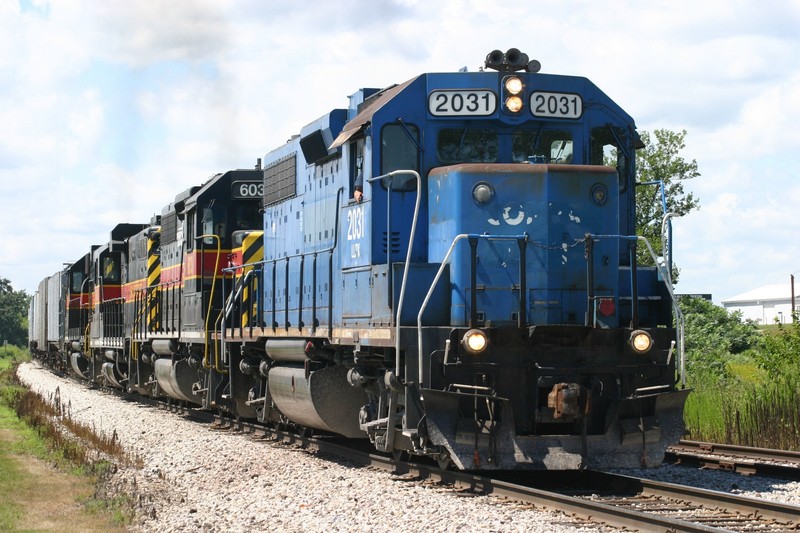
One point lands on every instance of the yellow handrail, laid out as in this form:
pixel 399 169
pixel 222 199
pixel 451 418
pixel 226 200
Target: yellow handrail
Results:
pixel 206 364
pixel 143 312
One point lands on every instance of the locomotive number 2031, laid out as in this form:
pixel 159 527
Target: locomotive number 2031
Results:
pixel 355 224
pixel 449 103
pixel 556 105
pixel 355 230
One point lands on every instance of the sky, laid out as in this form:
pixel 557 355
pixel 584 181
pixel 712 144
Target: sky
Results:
pixel 109 109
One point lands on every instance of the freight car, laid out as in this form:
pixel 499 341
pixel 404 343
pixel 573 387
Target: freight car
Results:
pixel 447 268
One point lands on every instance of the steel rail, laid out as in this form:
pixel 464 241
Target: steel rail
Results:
pixel 744 460
pixel 767 454
pixel 765 510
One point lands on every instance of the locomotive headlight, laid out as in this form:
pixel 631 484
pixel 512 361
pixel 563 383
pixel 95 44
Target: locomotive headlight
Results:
pixel 641 341
pixel 512 93
pixel 482 193
pixel 513 85
pixel 514 104
pixel 475 341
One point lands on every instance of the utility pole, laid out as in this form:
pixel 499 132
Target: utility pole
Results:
pixel 793 312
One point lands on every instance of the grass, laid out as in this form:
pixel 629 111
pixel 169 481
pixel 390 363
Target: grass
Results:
pixel 43 431
pixel 748 407
pixel 10 477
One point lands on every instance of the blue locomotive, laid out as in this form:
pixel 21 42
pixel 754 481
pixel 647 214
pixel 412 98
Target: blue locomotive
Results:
pixel 447 268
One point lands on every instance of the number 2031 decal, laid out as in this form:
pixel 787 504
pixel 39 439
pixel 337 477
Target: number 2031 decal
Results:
pixel 451 103
pixel 556 105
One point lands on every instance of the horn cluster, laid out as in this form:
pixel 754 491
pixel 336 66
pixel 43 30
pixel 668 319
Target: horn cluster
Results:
pixel 512 61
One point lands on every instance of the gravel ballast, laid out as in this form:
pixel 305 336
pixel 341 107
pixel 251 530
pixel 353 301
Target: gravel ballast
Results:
pixel 195 478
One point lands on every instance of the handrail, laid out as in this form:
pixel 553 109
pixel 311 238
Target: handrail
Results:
pixel 330 249
pixel 135 326
pixel 112 310
pixel 445 261
pixel 667 278
pixel 206 364
pixel 229 304
pixel 145 296
pixel 398 313
pixel 666 239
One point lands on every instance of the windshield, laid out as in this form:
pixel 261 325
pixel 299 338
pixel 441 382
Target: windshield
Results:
pixel 542 147
pixel 466 145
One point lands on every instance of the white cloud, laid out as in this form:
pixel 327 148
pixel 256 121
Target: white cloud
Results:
pixel 110 109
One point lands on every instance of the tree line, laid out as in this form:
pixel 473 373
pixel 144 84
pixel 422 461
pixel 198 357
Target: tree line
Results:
pixel 13 314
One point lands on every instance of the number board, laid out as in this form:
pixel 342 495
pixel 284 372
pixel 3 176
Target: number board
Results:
pixel 556 105
pixel 247 190
pixel 355 238
pixel 462 102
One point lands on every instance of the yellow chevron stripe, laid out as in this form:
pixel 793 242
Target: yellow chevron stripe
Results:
pixel 153 301
pixel 252 252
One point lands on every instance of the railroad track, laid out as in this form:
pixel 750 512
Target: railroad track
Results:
pixel 741 459
pixel 588 498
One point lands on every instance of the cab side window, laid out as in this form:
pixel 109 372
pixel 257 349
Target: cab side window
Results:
pixel 399 148
pixel 604 149
pixel 110 269
pixel 356 165
pixel 77 282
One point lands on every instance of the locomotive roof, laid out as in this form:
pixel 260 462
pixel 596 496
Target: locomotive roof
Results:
pixel 370 106
pixel 190 196
pixel 454 80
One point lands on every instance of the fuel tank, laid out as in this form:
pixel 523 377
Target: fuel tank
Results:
pixel 324 401
pixel 79 365
pixel 110 377
pixel 176 379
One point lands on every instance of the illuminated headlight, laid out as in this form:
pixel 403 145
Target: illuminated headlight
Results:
pixel 514 104
pixel 513 85
pixel 475 341
pixel 641 341
pixel 482 193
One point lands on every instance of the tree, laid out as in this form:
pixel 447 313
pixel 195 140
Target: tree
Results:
pixel 13 314
pixel 660 161
pixel 713 335
pixel 781 352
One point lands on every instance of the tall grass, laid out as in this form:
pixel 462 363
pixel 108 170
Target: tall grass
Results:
pixel 67 439
pixel 763 414
pixel 44 428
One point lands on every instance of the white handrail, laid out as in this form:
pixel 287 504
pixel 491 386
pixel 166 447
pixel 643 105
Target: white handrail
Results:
pixel 678 313
pixel 408 257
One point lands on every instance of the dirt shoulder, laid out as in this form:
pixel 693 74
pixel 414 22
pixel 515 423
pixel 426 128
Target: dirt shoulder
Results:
pixel 44 498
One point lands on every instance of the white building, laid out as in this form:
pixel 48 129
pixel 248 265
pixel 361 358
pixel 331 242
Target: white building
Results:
pixel 766 304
